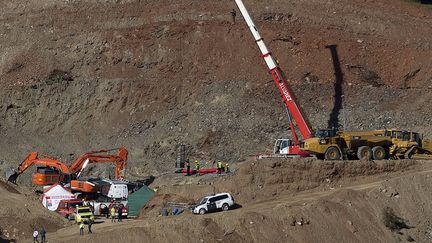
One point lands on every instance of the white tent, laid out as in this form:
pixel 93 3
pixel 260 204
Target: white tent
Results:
pixel 53 195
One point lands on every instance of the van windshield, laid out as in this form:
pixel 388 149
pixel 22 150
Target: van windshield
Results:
pixel 204 200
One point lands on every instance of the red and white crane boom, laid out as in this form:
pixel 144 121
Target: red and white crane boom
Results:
pixel 281 84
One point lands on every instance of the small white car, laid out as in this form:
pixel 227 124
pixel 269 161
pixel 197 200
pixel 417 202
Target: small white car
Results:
pixel 214 202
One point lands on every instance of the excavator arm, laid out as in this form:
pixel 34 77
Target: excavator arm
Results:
pixel 102 156
pixel 33 159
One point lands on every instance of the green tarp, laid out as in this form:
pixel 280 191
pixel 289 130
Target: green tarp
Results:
pixel 138 199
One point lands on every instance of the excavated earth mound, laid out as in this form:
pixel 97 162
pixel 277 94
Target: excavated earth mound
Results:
pixel 347 206
pixel 21 213
pixel 77 76
pixel 264 180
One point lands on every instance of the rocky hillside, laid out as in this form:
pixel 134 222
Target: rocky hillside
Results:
pixel 83 75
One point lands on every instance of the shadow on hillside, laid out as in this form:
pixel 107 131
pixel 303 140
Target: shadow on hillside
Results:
pixel 333 121
pixel 6 241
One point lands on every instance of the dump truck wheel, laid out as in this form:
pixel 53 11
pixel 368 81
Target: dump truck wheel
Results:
pixel 378 153
pixel 332 153
pixel 364 152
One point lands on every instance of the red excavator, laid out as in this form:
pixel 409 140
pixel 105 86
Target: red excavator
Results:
pixel 51 171
pixel 283 147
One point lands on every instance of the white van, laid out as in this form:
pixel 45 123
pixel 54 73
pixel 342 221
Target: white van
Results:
pixel 214 202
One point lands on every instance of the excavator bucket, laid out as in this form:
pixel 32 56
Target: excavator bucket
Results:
pixel 12 175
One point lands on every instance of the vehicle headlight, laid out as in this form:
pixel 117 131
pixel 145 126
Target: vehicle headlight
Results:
pixel 323 141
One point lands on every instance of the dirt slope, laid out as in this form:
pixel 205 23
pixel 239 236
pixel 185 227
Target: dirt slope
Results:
pixel 151 74
pixel 346 208
pixel 21 213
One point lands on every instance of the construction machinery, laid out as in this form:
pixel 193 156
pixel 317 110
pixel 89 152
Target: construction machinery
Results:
pixel 331 144
pixel 52 171
pixel 283 147
pixel 83 214
pixel 89 186
pixel 408 145
pixel 102 156
pixel 49 170
pixel 376 144
pixel 67 207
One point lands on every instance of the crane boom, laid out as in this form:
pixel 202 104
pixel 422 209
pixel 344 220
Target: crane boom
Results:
pixel 278 78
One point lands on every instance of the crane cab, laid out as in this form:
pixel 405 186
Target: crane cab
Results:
pixel 282 146
pixel 286 148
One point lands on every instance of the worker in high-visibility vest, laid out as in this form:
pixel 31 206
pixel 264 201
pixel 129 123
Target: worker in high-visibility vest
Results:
pixel 112 212
pixel 219 167
pixel 197 167
pixel 227 170
pixel 81 227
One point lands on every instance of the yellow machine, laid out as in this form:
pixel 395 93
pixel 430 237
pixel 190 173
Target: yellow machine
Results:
pixel 376 144
pixel 83 213
pixel 409 145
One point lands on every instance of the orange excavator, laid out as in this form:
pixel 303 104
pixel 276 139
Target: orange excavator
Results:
pixel 51 171
pixel 81 163
pixel 101 156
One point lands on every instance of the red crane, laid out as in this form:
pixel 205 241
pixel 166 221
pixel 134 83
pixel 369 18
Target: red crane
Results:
pixel 284 147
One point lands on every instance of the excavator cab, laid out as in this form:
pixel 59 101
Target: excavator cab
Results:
pixel 46 176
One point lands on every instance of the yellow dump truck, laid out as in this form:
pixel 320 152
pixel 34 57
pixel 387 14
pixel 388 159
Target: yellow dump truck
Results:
pixel 376 144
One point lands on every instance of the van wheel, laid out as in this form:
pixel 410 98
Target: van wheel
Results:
pixel 202 211
pixel 225 207
pixel 378 153
pixel 332 153
pixel 364 152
